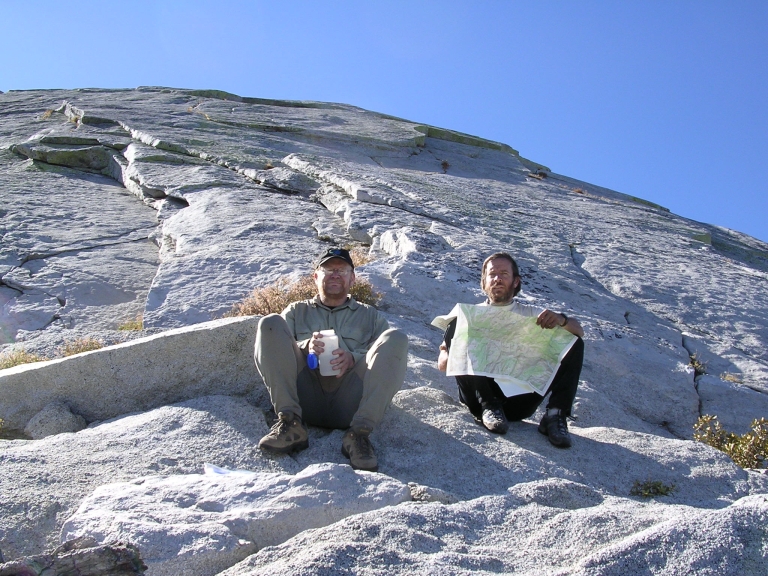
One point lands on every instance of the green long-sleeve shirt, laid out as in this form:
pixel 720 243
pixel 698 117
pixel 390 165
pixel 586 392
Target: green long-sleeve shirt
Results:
pixel 357 325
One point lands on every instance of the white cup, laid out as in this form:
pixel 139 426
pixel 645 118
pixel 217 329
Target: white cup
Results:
pixel 330 343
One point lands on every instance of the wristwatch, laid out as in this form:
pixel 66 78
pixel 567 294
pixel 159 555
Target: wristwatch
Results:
pixel 564 321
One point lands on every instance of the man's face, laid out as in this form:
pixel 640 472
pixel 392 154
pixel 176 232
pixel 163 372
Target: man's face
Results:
pixel 333 279
pixel 500 282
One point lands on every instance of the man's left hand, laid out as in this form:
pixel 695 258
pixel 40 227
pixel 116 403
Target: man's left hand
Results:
pixel 549 319
pixel 343 362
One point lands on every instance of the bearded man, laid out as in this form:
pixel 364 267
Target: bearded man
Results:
pixel 370 364
pixel 501 282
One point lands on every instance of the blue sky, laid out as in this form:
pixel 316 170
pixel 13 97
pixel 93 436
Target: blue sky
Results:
pixel 664 100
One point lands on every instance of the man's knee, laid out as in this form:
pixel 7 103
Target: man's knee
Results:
pixel 395 340
pixel 575 355
pixel 271 322
pixel 271 332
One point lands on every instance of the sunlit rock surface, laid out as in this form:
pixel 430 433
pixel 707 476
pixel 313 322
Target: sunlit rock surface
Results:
pixel 173 204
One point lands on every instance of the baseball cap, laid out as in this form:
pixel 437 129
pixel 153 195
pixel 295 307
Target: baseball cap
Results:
pixel 334 253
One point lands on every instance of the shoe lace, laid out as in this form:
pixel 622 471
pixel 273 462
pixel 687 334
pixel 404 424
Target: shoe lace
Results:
pixel 498 413
pixel 280 426
pixel 561 421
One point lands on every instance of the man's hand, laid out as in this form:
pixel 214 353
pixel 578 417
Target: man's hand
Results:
pixel 442 359
pixel 316 344
pixel 549 319
pixel 343 362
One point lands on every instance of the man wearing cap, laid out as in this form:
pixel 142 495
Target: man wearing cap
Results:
pixel 370 363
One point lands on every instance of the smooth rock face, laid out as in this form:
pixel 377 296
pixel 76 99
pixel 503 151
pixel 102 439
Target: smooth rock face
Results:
pixel 199 524
pixel 176 203
pixel 181 364
pixel 55 418
pixel 44 481
pixel 513 535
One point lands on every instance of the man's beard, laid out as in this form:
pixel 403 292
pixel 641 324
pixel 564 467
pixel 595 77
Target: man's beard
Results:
pixel 500 297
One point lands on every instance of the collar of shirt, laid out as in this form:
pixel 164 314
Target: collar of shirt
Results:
pixel 351 303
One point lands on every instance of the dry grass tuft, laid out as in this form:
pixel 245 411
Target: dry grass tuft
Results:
pixel 136 323
pixel 72 347
pixel 11 359
pixel 360 256
pixel 276 297
pixel 730 377
pixel 47 114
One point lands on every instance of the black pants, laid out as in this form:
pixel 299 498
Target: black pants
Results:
pixel 479 392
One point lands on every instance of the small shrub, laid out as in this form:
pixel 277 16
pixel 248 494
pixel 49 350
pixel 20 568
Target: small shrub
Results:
pixel 729 377
pixel 360 256
pixel 444 164
pixel 362 291
pixel 47 114
pixel 698 366
pixel 274 298
pixel 11 359
pixel 269 166
pixel 748 451
pixel 136 323
pixel 79 345
pixel 579 191
pixel 651 489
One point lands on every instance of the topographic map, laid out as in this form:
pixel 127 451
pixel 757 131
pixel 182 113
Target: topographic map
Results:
pixel 508 347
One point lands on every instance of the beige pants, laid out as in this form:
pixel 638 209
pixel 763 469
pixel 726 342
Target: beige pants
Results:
pixel 357 399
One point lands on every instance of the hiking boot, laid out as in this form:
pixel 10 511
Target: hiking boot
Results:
pixel 357 447
pixel 495 420
pixel 554 426
pixel 287 435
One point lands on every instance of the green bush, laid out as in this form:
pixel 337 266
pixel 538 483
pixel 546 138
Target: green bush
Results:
pixel 651 489
pixel 749 450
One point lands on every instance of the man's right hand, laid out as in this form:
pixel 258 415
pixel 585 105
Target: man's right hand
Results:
pixel 316 344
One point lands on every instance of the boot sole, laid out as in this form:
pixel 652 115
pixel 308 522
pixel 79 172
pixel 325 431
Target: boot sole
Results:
pixel 501 431
pixel 346 455
pixel 296 447
pixel 544 431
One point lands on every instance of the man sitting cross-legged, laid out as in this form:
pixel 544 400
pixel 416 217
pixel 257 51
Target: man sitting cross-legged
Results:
pixel 500 280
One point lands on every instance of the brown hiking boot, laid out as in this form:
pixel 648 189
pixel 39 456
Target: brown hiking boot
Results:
pixel 357 447
pixel 287 435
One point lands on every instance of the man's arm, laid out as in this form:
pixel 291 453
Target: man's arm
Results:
pixel 442 359
pixel 549 319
